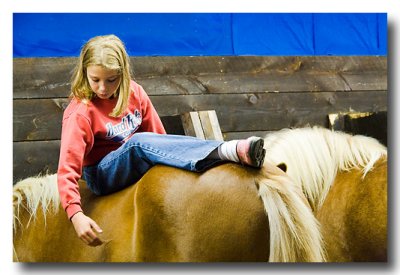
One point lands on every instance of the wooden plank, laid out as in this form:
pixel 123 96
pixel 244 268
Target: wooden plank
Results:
pixel 40 119
pixel 42 77
pixel 171 85
pixel 34 157
pixel 267 82
pixel 203 124
pixel 273 82
pixel 215 83
pixel 50 77
pixel 210 125
pixel 349 64
pixel 237 83
pixel 366 81
pixel 192 125
pixel 197 65
pixel 272 111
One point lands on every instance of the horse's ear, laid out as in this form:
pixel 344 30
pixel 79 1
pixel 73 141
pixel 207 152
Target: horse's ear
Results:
pixel 282 166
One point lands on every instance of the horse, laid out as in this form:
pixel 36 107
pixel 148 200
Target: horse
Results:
pixel 173 215
pixel 344 178
pixel 229 213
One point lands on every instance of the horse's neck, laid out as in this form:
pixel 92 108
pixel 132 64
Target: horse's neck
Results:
pixel 314 156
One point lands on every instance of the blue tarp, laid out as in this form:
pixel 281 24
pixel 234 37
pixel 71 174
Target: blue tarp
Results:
pixel 204 34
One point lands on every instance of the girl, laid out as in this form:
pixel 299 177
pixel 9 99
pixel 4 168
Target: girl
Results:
pixel 111 134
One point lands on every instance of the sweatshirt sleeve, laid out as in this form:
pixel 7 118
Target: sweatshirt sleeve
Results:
pixel 76 141
pixel 151 122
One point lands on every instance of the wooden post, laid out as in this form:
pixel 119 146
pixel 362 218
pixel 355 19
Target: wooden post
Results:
pixel 210 124
pixel 192 125
pixel 202 124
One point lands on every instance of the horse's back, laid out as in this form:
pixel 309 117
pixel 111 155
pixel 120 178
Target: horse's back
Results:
pixel 197 217
pixel 170 215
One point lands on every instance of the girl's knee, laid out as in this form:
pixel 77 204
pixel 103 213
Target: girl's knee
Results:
pixel 140 137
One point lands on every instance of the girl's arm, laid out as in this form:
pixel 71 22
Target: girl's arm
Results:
pixel 76 141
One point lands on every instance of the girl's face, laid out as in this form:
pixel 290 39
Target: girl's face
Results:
pixel 104 82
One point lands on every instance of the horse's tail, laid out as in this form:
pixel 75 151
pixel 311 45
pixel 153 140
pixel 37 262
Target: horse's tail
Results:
pixel 294 231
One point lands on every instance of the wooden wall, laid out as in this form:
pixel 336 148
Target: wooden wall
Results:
pixel 251 95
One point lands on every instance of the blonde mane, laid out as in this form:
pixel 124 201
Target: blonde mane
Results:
pixel 35 193
pixel 313 157
pixel 294 230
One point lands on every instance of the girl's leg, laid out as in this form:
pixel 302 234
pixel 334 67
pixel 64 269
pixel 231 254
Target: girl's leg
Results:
pixel 127 164
pixel 131 161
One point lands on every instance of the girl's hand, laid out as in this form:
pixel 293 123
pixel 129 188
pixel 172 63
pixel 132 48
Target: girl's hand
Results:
pixel 84 229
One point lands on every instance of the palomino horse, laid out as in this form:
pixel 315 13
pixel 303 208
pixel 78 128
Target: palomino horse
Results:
pixel 344 178
pixel 228 213
pixel 173 215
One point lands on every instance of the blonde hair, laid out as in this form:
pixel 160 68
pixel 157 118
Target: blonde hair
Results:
pixel 314 156
pixel 109 52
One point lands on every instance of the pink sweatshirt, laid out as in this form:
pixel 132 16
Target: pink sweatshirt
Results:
pixel 89 133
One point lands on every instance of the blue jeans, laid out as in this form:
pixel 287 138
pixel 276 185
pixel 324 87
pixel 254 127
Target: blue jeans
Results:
pixel 126 165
